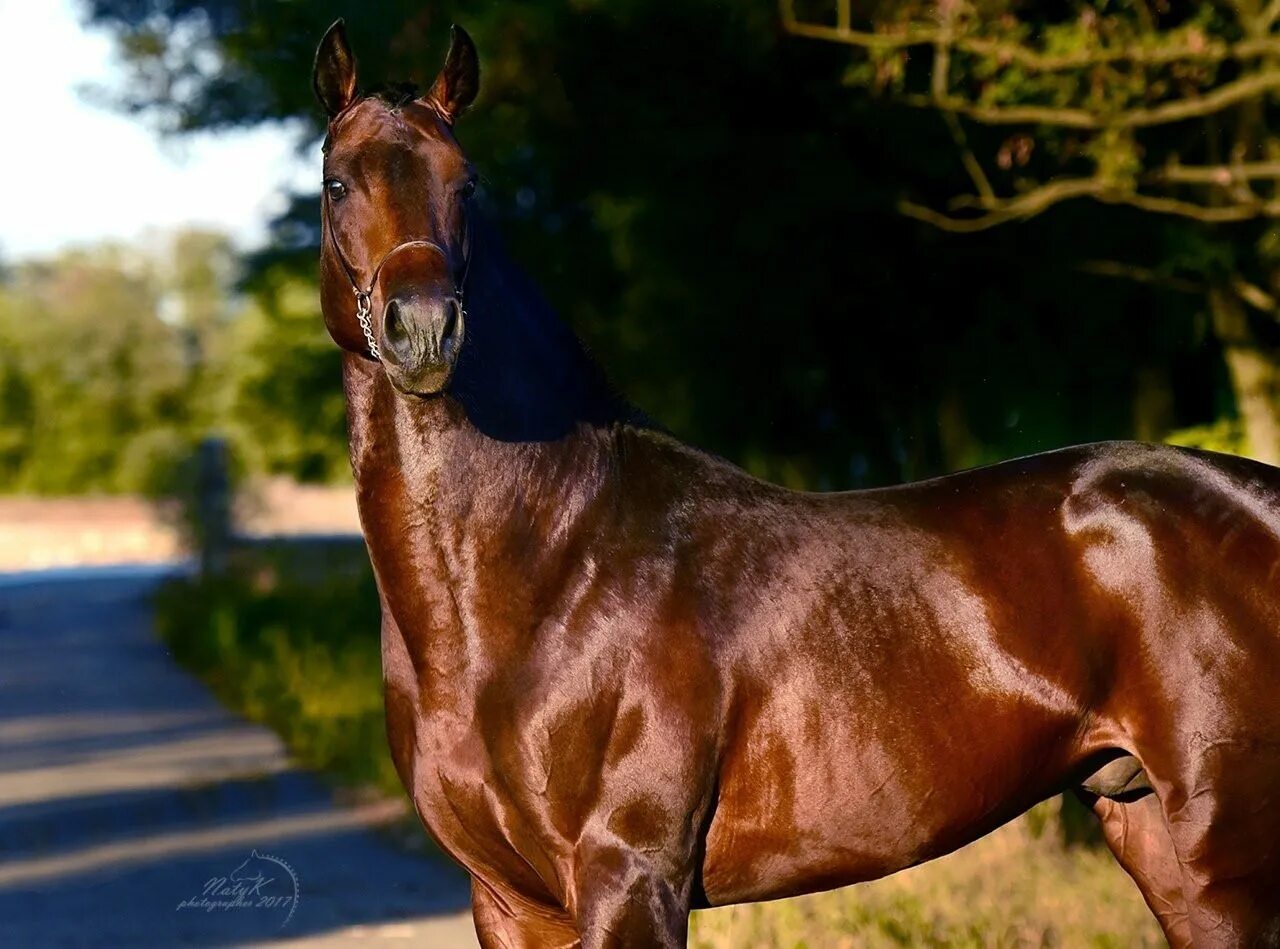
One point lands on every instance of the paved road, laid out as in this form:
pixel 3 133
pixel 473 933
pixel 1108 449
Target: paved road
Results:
pixel 125 790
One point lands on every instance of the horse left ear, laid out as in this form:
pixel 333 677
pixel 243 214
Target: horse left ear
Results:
pixel 455 88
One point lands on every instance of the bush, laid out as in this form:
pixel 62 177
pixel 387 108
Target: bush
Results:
pixel 302 658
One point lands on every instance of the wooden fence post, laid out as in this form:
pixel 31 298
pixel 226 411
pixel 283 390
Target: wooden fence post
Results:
pixel 213 505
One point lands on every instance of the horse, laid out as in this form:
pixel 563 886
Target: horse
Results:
pixel 624 679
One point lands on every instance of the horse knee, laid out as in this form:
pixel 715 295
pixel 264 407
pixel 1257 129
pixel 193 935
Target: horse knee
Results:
pixel 622 899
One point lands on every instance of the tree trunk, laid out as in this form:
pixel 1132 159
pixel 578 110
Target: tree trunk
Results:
pixel 959 448
pixel 1153 413
pixel 1255 376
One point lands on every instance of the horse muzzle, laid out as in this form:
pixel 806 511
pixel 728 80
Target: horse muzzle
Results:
pixel 421 336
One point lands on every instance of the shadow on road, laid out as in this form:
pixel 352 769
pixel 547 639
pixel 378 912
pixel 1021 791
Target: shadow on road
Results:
pixel 134 810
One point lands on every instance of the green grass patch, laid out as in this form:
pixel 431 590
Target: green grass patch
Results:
pixel 300 656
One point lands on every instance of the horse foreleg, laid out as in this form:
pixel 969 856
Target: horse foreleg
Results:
pixel 623 899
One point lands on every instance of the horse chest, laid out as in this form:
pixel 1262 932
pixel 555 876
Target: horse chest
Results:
pixel 450 774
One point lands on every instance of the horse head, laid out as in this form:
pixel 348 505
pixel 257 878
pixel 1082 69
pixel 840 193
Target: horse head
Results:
pixel 395 215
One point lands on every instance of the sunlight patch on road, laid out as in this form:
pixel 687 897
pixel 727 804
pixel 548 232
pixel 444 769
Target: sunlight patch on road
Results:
pixel 239 752
pixel 66 727
pixel 121 854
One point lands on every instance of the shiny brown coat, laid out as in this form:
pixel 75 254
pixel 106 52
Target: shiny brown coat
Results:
pixel 625 679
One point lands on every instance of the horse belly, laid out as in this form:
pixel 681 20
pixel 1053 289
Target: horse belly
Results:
pixel 871 792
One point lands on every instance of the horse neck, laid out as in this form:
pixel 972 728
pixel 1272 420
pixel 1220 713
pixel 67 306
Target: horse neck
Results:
pixel 474 501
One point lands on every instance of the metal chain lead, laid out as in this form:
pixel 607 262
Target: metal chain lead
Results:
pixel 364 309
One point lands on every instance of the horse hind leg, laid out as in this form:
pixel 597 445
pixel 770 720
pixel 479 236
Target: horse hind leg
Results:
pixel 1209 865
pixel 1134 828
pixel 1224 820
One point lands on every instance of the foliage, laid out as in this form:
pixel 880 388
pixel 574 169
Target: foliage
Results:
pixel 1165 108
pixel 287 413
pixel 115 362
pixel 298 656
pixel 1225 435
pixel 95 386
pixel 1156 106
pixel 713 212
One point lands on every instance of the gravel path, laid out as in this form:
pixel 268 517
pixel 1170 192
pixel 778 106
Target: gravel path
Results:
pixel 126 791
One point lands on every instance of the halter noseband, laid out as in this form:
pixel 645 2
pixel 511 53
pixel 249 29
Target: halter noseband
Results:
pixel 364 298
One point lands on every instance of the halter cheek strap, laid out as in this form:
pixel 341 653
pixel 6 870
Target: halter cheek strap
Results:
pixel 364 297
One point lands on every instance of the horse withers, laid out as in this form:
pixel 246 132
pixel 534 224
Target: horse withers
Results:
pixel 625 680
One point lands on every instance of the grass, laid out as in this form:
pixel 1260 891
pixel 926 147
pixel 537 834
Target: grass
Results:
pixel 299 656
pixel 302 656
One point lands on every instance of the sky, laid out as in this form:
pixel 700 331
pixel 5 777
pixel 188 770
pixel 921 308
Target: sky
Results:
pixel 72 173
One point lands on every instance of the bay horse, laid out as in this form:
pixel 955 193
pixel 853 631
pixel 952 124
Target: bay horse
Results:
pixel 624 679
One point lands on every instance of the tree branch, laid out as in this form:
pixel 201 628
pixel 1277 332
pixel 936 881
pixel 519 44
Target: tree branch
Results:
pixel 1222 175
pixel 1221 98
pixel 1214 214
pixel 1226 95
pixel 1007 53
pixel 1269 16
pixel 1114 268
pixel 1009 114
pixel 1040 199
pixel 843 33
pixel 1255 296
pixel 1249 293
pixel 1022 207
pixel 967 158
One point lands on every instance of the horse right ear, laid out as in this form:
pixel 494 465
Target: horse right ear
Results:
pixel 455 88
pixel 334 76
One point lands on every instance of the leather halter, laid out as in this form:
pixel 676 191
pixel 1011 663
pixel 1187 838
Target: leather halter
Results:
pixel 364 297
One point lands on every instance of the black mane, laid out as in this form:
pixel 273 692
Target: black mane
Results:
pixel 522 374
pixel 394 94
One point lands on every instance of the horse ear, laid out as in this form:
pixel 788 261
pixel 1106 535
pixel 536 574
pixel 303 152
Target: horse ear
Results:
pixel 455 88
pixel 334 76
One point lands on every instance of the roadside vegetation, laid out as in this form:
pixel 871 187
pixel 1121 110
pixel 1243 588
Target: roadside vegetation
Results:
pixel 299 656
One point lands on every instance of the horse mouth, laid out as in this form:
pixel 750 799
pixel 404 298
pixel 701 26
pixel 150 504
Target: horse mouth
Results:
pixel 430 367
pixel 424 382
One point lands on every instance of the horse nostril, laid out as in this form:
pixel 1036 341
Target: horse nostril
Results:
pixel 394 323
pixel 450 320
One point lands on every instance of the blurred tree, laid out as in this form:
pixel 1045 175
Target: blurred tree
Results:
pixel 1164 107
pixel 286 416
pixel 198 271
pixel 16 397
pixel 718 219
pixel 113 362
pixel 94 376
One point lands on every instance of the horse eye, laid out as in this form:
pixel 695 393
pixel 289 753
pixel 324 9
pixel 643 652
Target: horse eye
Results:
pixel 468 189
pixel 335 189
